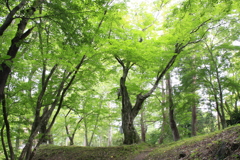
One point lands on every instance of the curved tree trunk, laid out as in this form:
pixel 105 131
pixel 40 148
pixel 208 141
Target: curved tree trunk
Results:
pixel 130 134
pixel 129 112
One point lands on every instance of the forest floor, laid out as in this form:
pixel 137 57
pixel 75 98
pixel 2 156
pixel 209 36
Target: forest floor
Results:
pixel 220 145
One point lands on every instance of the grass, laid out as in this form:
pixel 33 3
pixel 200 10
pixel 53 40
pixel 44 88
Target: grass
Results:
pixel 124 152
pixel 198 147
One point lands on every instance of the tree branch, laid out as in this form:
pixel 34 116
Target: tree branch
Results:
pixel 9 17
pixel 198 27
pixel 119 61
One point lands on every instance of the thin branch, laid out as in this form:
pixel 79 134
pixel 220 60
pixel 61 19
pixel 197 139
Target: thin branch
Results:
pixel 198 27
pixel 119 61
pixel 7 5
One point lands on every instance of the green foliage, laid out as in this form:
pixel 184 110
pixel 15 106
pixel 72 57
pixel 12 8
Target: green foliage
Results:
pixel 64 32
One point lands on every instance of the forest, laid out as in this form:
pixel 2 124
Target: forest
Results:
pixel 112 72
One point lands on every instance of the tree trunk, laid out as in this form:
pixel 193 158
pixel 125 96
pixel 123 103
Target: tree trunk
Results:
pixel 173 125
pixel 164 123
pixel 3 142
pixel 218 122
pixel 8 131
pixel 164 119
pixel 194 105
pixel 16 42
pixel 143 127
pixel 194 121
pixel 130 134
pixel 85 132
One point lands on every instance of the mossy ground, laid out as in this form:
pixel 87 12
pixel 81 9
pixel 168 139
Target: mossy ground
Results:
pixel 218 145
pixel 124 152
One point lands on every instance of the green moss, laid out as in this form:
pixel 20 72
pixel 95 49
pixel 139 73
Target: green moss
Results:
pixel 195 148
pixel 76 152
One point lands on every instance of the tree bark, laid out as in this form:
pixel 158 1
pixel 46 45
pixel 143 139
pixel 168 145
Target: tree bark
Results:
pixel 164 118
pixel 85 132
pixel 130 134
pixel 6 122
pixel 3 142
pixel 143 127
pixel 194 120
pixel 164 123
pixel 173 125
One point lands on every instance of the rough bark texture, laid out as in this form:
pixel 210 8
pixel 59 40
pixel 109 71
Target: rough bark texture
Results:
pixel 128 112
pixel 130 134
pixel 173 125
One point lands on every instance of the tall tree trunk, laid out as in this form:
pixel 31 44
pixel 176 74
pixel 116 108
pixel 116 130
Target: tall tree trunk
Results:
pixel 194 120
pixel 164 123
pixel 164 118
pixel 143 127
pixel 6 122
pixel 130 134
pixel 194 105
pixel 173 125
pixel 194 112
pixel 85 132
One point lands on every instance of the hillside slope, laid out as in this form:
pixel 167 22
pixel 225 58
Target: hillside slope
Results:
pixel 219 145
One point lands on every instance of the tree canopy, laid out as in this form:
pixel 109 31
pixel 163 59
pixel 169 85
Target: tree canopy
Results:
pixel 99 73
